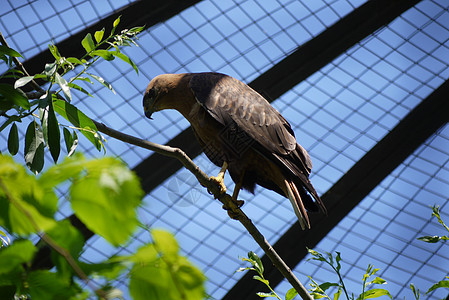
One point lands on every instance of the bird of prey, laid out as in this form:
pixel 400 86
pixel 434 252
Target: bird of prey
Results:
pixel 239 131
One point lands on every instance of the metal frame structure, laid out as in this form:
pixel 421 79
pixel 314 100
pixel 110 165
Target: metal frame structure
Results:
pixel 306 60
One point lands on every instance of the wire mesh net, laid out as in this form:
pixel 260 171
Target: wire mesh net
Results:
pixel 338 114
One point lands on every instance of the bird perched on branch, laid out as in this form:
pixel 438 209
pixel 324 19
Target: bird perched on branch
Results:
pixel 239 131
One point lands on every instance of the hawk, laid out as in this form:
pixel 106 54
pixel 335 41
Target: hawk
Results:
pixel 241 132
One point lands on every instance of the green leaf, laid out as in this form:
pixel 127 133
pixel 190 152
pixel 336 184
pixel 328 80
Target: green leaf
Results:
pixel 26 216
pixel 374 293
pixel 151 282
pixel 326 285
pixel 79 120
pixel 16 254
pixel 116 22
pixel 266 295
pixel 338 259
pixel 161 281
pixel 74 60
pixel 264 281
pixel 245 269
pixel 84 79
pixel 110 269
pixel 28 206
pixel 430 239
pixel 145 254
pixel 97 199
pixel 78 88
pixel 44 284
pixel 69 238
pixel 135 30
pixel 415 291
pixel 377 280
pixel 13 96
pixel 165 243
pixel 71 141
pixel 102 81
pixel 258 263
pixel 22 81
pixel 440 284
pixel 99 35
pixel 70 168
pixel 54 51
pixel 436 213
pixel 126 59
pixel 50 128
pixel 107 55
pixel 291 293
pixel 88 43
pixel 13 140
pixel 190 278
pixel 9 51
pixel 54 135
pixel 64 86
pixel 8 291
pixel 337 294
pixel 50 69
pixel 34 147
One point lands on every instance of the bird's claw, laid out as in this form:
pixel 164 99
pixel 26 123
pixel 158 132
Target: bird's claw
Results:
pixel 230 208
pixel 220 182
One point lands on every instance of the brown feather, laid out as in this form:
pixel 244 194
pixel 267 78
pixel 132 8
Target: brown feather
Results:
pixel 233 123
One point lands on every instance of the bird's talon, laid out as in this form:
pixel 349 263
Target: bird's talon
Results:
pixel 219 180
pixel 232 214
pixel 237 203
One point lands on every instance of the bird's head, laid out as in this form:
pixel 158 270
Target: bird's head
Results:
pixel 163 92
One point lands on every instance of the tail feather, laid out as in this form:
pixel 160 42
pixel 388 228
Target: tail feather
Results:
pixel 311 205
pixel 298 205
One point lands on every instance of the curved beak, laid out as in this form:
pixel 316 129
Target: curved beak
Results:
pixel 148 112
pixel 148 106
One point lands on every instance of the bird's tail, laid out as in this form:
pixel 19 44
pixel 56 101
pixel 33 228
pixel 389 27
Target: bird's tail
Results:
pixel 298 206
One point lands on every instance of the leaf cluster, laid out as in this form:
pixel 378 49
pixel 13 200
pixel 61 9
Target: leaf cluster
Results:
pixel 436 238
pixel 319 290
pixel 103 193
pixel 160 272
pixel 257 266
pixel 45 107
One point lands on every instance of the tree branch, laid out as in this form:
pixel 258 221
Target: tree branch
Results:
pixel 202 178
pixel 224 198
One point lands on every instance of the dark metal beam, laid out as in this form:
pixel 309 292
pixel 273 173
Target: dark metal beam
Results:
pixel 354 186
pixel 302 63
pixel 297 67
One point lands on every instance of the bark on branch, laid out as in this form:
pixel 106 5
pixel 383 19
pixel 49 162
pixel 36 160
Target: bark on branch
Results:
pixel 224 198
pixel 204 180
